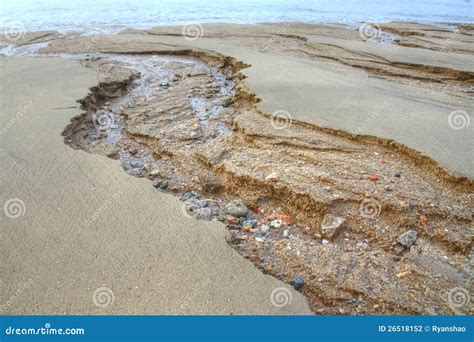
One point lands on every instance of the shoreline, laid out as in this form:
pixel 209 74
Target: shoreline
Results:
pixel 117 29
pixel 243 122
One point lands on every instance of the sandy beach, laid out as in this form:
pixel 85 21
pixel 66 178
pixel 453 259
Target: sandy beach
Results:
pixel 283 168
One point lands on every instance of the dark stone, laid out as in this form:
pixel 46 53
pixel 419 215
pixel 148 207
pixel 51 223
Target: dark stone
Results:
pixel 188 195
pixel 297 283
pixel 227 103
pixel 161 185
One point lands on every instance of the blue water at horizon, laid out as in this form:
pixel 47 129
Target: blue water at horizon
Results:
pixel 106 15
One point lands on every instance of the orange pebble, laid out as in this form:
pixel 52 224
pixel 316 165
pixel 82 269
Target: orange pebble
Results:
pixel 247 229
pixel 423 219
pixel 374 178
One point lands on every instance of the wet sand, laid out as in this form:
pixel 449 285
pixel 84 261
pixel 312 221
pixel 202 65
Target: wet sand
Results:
pixel 302 176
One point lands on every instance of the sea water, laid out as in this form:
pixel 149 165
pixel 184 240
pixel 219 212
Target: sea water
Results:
pixel 113 15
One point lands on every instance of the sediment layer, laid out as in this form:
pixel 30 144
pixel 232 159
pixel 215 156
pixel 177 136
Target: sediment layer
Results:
pixel 292 176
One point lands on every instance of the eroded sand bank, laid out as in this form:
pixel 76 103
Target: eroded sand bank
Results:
pixel 88 225
pixel 305 175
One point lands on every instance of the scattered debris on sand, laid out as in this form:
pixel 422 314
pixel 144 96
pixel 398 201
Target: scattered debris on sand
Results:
pixel 302 203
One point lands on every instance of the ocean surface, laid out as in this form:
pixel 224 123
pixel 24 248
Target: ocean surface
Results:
pixel 113 15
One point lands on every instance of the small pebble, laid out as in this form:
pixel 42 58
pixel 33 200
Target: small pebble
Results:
pixel 264 228
pixel 162 185
pixel 408 238
pixel 231 220
pixel 404 274
pixel 331 225
pixel 252 223
pixel 286 232
pixel 276 224
pixel 355 301
pixel 236 209
pixel 272 177
pixel 188 195
pixel 297 283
